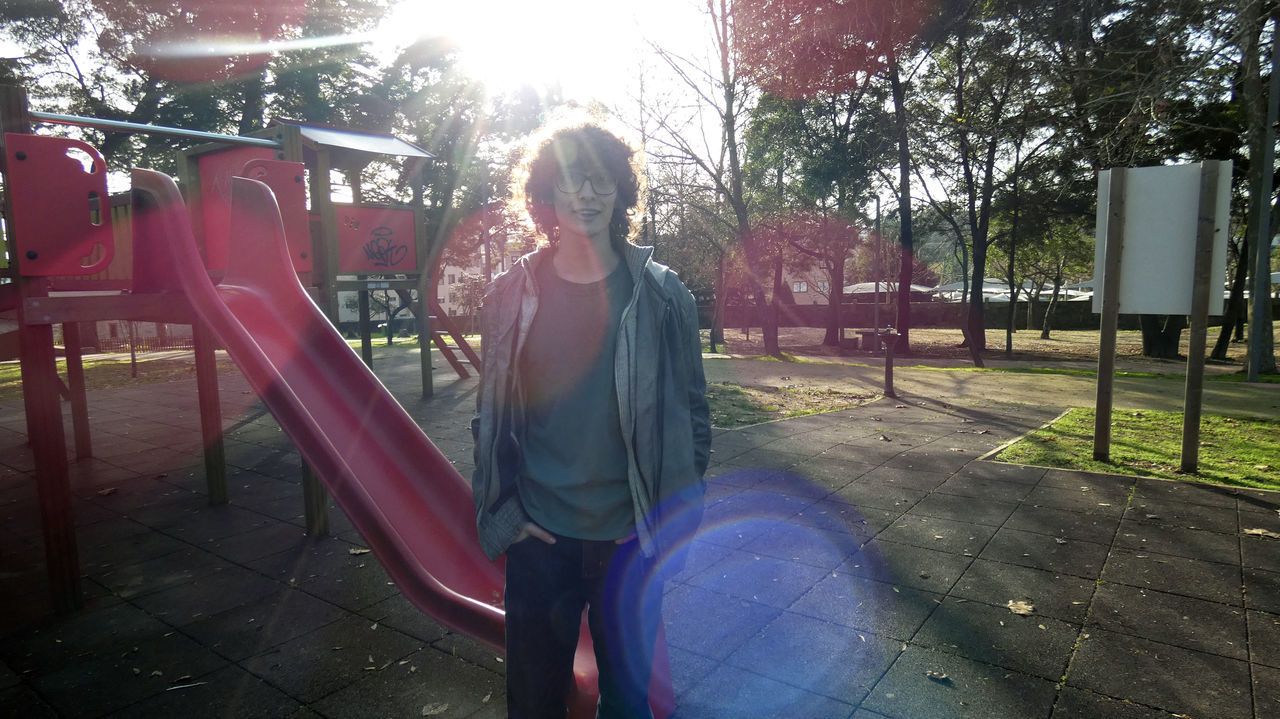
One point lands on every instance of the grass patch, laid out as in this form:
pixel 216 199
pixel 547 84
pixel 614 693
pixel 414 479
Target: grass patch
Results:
pixel 1235 451
pixel 112 371
pixel 734 405
pixel 1242 377
pixel 1067 371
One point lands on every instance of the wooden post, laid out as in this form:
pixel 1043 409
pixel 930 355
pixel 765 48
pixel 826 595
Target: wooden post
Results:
pixel 1202 282
pixel 215 454
pixel 315 500
pixel 76 389
pixel 889 347
pixel 324 269
pixel 425 286
pixel 366 327
pixel 1110 316
pixel 40 396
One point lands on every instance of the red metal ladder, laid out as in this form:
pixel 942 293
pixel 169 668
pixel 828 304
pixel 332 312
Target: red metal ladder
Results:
pixel 443 327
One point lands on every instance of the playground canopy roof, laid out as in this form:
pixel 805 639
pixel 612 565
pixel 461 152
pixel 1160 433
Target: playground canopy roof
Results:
pixel 356 141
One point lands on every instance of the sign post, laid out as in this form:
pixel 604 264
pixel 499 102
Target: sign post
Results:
pixel 1161 231
pixel 1110 313
pixel 1202 284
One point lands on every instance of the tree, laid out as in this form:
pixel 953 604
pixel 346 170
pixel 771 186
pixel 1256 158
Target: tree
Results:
pixel 821 153
pixel 1061 251
pixel 161 62
pixel 979 94
pixel 468 293
pixel 802 47
pixel 1121 74
pixel 724 91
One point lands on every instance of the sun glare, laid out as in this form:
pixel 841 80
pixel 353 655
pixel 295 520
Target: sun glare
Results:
pixel 584 47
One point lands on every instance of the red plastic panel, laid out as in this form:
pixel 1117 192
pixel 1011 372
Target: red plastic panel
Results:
pixel 61 211
pixel 375 239
pixel 286 180
pixel 216 171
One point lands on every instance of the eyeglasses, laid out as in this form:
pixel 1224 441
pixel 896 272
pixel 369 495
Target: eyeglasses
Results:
pixel 572 181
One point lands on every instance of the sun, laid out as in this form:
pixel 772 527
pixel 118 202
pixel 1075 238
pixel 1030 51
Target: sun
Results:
pixel 585 48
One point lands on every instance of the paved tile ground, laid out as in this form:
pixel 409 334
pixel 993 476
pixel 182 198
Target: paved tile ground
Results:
pixel 854 564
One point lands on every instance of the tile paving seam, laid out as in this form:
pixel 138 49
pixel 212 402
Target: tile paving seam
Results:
pixel 1088 612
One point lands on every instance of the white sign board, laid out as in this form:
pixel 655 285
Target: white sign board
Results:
pixel 1161 205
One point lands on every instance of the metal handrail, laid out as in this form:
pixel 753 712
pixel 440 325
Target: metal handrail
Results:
pixel 120 125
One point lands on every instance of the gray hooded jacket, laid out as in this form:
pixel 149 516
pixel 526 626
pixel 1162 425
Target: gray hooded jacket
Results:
pixel 661 399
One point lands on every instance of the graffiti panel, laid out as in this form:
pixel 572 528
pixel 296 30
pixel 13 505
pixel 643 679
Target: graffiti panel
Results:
pixel 375 240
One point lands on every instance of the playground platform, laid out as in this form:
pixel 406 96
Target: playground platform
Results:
pixel 860 564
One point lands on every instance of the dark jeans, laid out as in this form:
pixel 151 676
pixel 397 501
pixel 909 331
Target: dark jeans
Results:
pixel 547 587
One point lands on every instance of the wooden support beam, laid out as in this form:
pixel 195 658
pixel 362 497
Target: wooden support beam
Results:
pixel 1110 317
pixel 63 309
pixel 1201 284
pixel 76 390
pixel 215 456
pixel 40 395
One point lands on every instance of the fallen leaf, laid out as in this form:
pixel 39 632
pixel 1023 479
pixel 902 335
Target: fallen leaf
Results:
pixel 1262 533
pixel 189 685
pixel 1020 607
pixel 1262 466
pixel 938 676
pixel 436 709
pixel 357 550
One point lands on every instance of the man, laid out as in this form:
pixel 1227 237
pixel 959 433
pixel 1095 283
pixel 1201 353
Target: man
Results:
pixel 592 432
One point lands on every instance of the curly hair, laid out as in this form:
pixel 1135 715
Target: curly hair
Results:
pixel 577 145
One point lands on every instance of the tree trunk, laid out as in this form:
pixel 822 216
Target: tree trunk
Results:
pixel 835 300
pixel 1231 319
pixel 721 301
pixel 1161 335
pixel 253 95
pixel 906 238
pixel 1047 324
pixel 769 323
pixel 976 323
pixel 1053 305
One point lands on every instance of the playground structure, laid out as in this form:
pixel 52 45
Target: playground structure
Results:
pixel 402 494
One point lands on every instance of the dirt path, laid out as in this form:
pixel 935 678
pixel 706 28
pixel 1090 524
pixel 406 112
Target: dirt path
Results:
pixel 967 387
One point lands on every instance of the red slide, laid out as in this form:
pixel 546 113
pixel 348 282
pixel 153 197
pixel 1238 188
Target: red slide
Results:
pixel 408 502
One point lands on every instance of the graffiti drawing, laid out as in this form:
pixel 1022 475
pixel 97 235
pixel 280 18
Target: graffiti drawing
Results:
pixel 382 250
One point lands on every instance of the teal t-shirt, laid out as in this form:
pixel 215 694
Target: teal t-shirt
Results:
pixel 573 477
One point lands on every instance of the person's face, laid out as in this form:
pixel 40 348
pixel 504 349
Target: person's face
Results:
pixel 584 200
